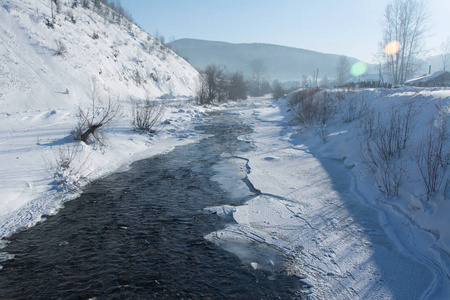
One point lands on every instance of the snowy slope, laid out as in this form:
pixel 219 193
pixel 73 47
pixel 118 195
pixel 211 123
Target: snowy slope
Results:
pixel 34 76
pixel 320 205
pixel 40 91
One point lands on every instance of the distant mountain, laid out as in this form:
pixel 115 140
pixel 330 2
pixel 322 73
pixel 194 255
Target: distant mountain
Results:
pixel 282 63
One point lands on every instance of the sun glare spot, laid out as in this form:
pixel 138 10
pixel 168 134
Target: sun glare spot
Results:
pixel 392 48
pixel 358 69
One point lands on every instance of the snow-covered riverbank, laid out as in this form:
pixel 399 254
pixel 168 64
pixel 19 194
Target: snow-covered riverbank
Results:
pixel 319 205
pixel 31 141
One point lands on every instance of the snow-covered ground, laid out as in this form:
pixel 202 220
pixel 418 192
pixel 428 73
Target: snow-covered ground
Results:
pixel 41 90
pixel 319 205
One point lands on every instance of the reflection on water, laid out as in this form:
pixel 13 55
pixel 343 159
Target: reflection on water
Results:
pixel 139 235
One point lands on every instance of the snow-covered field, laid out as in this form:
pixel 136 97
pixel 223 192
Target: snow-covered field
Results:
pixel 321 207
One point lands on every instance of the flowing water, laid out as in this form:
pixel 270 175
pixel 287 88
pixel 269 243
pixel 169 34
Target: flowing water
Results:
pixel 139 235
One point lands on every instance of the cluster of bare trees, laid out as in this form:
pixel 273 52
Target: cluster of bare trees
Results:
pixel 405 24
pixel 216 84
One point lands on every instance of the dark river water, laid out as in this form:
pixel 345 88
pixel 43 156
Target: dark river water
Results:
pixel 140 235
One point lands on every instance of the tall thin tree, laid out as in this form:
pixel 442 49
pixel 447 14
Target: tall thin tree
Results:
pixel 342 69
pixel 445 54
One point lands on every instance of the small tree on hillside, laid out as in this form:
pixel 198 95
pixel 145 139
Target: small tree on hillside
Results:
pixel 94 117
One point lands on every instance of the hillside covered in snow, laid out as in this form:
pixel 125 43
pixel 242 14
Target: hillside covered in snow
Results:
pixel 41 61
pixel 52 59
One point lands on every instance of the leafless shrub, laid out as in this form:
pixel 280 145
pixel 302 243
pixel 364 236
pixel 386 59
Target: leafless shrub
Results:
pixel 67 166
pixel 92 118
pixel 388 172
pixel 313 108
pixel 353 106
pixel 323 133
pixel 60 48
pixel 301 95
pixel 367 125
pixel 136 78
pixel 384 141
pixel 146 115
pixel 432 158
pixel 70 17
pixel 326 107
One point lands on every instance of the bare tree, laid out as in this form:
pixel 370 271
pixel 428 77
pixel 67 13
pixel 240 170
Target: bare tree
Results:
pixel 258 70
pixel 278 90
pixel 405 24
pixel 216 79
pixel 342 69
pixel 237 88
pixel 325 82
pixel 201 90
pixel 445 54
pixel 95 116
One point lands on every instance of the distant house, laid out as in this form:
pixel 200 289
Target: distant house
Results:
pixel 441 78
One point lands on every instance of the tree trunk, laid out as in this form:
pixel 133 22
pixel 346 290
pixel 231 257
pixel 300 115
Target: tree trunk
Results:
pixel 85 136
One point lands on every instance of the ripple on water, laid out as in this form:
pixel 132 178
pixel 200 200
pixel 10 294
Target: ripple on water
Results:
pixel 139 234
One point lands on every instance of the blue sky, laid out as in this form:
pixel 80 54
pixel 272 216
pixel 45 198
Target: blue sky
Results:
pixel 349 27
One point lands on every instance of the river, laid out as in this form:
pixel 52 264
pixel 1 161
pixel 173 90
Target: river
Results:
pixel 140 235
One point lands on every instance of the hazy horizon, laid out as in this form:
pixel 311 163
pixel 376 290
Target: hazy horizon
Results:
pixel 348 27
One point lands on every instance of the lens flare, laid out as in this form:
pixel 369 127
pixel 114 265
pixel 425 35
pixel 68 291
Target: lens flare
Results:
pixel 358 69
pixel 392 48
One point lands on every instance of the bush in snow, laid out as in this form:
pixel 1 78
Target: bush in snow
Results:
pixel 353 106
pixel 67 165
pixel 313 107
pixel 385 138
pixel 94 117
pixel 277 90
pixel 60 48
pixel 146 115
pixel 70 17
pixel 432 158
